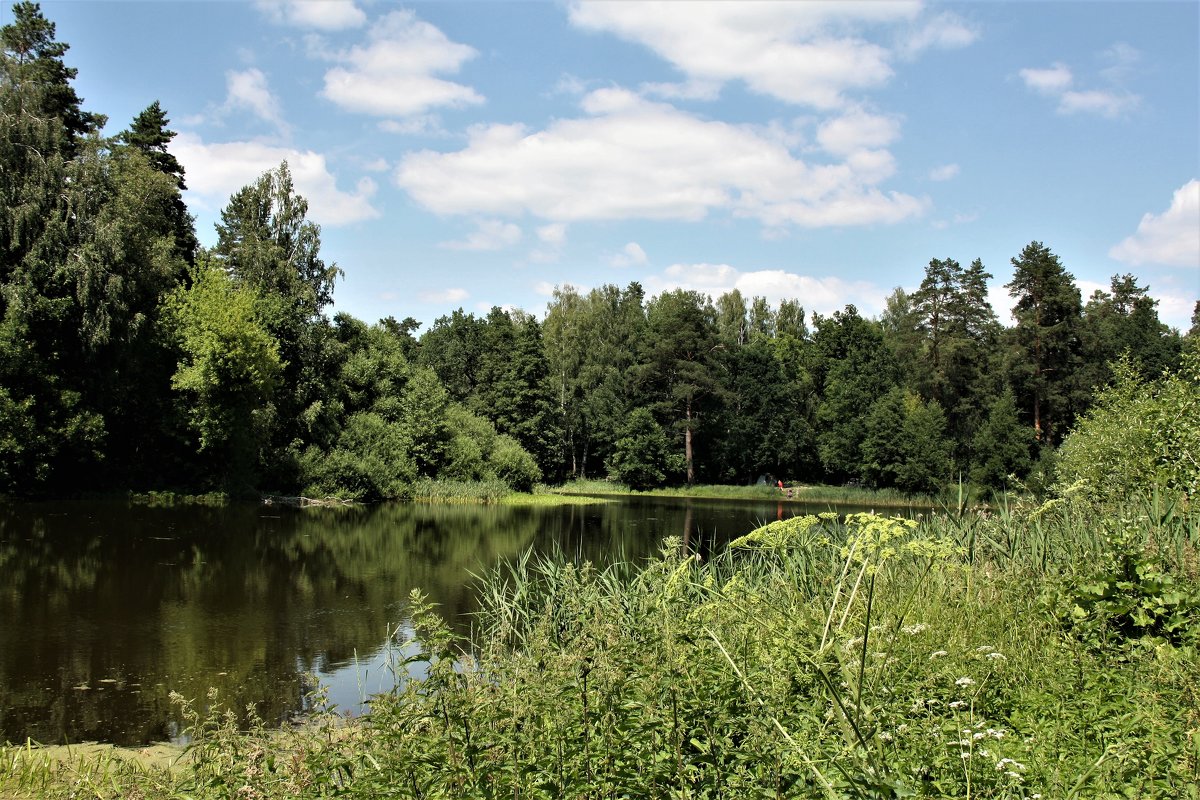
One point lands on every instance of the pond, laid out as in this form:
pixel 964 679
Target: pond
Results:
pixel 108 606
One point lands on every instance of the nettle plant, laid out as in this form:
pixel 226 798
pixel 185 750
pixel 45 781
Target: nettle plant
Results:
pixel 1132 597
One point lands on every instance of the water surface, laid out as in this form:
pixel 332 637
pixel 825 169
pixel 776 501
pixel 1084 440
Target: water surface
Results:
pixel 107 606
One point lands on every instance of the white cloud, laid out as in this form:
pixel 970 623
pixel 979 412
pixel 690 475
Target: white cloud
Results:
pixel 422 125
pixel 248 90
pixel 216 170
pixel 631 255
pixel 823 295
pixel 393 73
pixel 856 131
pixel 1054 80
pixel 1171 238
pixel 688 90
pixel 489 234
pixel 800 52
pixel 1058 81
pixel 552 237
pixel 443 296
pixel 945 31
pixel 329 15
pixel 631 158
pixel 555 233
pixel 1105 103
pixel 944 173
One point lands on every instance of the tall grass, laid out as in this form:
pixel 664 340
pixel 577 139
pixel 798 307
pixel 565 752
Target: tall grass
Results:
pixel 447 491
pixel 811 495
pixel 857 657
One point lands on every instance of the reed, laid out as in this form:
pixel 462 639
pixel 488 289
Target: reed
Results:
pixel 828 656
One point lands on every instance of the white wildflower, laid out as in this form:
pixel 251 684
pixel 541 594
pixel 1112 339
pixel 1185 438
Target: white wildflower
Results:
pixel 957 704
pixel 964 681
pixel 985 648
pixel 938 654
pixel 913 630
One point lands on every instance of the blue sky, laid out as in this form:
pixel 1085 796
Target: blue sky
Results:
pixel 471 154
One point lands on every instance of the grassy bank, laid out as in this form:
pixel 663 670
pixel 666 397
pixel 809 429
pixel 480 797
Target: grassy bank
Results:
pixel 812 495
pixel 1045 652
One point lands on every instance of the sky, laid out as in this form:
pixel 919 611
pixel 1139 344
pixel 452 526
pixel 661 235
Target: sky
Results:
pixel 479 154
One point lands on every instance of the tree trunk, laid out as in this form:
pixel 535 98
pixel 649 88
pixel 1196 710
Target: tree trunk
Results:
pixel 687 447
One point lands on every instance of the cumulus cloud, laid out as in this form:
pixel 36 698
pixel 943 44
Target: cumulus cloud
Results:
pixel 796 52
pixel 857 131
pixel 1171 238
pixel 823 295
pixel 1052 80
pixel 489 234
pixel 1058 81
pixel 631 255
pixel 248 90
pixel 216 170
pixel 809 53
pixel 393 73
pixel 630 158
pixel 944 173
pixel 329 15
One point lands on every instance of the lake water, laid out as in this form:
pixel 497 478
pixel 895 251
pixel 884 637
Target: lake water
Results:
pixel 107 606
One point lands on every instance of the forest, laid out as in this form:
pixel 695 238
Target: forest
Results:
pixel 131 357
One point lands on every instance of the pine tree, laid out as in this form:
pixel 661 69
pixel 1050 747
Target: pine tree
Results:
pixel 1046 338
pixel 150 135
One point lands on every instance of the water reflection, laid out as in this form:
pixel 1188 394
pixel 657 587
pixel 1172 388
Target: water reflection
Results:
pixel 106 607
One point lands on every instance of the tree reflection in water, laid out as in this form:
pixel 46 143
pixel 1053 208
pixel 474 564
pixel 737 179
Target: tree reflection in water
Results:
pixel 108 606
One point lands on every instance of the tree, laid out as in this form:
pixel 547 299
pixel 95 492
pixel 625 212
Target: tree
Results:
pixel 1139 434
pixel 905 444
pixel 1002 445
pixel 642 456
pixel 681 339
pixel 1124 322
pixel 266 242
pixel 228 371
pixel 762 425
pixel 150 135
pixel 1046 339
pixel 853 368
pixel 37 81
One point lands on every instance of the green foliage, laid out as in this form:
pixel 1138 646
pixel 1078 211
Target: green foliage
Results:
pixel 1046 348
pixel 857 368
pixel 643 455
pixel 1139 434
pixel 369 462
pixel 229 367
pixel 1002 445
pixel 513 464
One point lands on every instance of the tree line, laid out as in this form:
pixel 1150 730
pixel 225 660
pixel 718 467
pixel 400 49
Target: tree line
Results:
pixel 132 357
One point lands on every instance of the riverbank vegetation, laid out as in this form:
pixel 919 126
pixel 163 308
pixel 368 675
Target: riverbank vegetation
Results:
pixel 809 495
pixel 1047 650
pixel 133 358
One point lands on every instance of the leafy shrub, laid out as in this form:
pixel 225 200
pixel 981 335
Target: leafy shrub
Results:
pixel 1139 434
